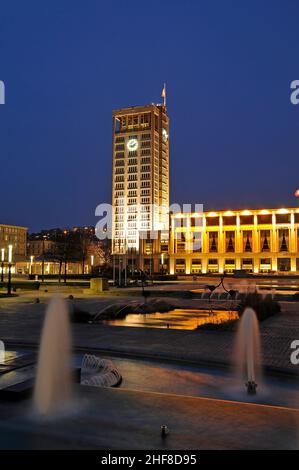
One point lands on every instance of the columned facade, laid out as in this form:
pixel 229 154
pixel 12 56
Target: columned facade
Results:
pixel 255 241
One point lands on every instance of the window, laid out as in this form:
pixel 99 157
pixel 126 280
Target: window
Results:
pixel 119 147
pixel 283 218
pixel 197 242
pixel 246 219
pixel 213 242
pixel 212 221
pixel 264 219
pixel 283 239
pixel 229 220
pixel 145 136
pixel 196 221
pixel 230 242
pixel 284 264
pixel 247 241
pixel 265 240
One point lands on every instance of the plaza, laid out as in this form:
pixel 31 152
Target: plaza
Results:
pixel 166 374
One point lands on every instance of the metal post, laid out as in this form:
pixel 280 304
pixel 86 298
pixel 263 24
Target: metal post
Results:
pixel 43 260
pixel 9 280
pixel 2 263
pixel 113 258
pixel 119 270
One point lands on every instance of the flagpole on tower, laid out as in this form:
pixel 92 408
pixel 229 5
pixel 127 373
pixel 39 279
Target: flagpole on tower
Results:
pixel 164 94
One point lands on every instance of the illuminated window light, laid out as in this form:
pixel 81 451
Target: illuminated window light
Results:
pixel 228 213
pixel 212 214
pixel 282 211
pixel 264 212
pixel 246 212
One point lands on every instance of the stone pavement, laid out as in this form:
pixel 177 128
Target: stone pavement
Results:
pixel 21 321
pixel 124 419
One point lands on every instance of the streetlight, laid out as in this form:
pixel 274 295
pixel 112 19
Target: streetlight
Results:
pixel 2 263
pixel 31 263
pixel 162 263
pixel 9 269
pixel 43 259
pixel 91 263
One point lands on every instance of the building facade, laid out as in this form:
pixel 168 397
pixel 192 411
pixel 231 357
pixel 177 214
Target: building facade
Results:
pixel 140 175
pixel 16 237
pixel 255 241
pixel 36 248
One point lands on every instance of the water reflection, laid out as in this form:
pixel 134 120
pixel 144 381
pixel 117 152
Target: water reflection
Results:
pixel 179 319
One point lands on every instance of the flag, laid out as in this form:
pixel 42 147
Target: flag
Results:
pixel 164 93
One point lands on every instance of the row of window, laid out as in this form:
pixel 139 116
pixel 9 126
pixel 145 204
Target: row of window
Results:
pixel 265 265
pixel 121 139
pixel 262 219
pixel 230 241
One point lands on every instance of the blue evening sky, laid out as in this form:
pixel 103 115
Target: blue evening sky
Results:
pixel 66 64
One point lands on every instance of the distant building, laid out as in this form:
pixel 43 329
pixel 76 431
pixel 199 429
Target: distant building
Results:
pixel 17 237
pixel 70 250
pixel 38 247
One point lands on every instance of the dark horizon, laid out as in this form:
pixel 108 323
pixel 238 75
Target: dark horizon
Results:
pixel 66 66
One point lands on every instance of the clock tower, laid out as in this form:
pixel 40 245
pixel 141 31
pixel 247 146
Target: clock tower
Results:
pixel 140 174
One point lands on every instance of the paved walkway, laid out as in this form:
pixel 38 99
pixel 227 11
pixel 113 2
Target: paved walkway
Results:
pixel 123 419
pixel 21 321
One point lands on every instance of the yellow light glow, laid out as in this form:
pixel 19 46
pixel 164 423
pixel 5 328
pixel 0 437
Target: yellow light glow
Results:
pixel 246 212
pixel 9 253
pixel 91 260
pixel 2 254
pixel 228 213
pixel 282 211
pixel 31 259
pixel 212 214
pixel 264 212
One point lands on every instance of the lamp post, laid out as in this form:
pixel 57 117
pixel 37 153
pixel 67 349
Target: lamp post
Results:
pixel 31 263
pixel 162 263
pixel 9 269
pixel 91 263
pixel 2 263
pixel 43 259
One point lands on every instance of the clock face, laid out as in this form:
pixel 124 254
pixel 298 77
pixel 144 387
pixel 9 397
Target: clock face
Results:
pixel 164 135
pixel 132 145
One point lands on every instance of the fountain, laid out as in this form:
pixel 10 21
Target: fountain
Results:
pixel 247 351
pixel 53 387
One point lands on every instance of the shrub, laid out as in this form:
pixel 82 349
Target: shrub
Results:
pixel 264 307
pixel 229 325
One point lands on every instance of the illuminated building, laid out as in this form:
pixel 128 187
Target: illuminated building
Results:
pixel 140 175
pixel 13 244
pixel 256 241
pixel 15 236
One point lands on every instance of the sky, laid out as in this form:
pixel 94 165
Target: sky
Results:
pixel 66 65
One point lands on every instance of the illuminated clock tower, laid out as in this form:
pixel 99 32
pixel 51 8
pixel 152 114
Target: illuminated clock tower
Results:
pixel 140 174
